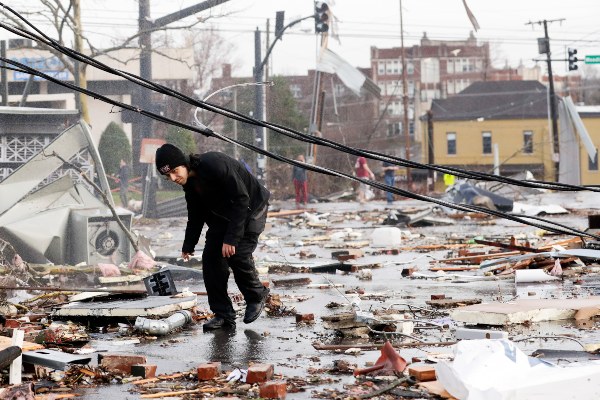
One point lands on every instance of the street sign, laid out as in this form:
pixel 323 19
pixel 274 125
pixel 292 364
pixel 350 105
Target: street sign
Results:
pixel 592 59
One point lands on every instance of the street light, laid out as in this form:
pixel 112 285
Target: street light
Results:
pixel 199 123
pixel 268 83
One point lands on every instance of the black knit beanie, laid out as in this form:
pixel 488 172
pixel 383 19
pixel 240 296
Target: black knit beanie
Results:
pixel 169 157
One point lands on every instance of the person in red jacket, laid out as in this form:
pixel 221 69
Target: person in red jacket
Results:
pixel 362 170
pixel 221 194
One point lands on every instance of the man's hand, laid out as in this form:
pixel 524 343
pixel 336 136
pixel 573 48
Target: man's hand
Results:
pixel 186 256
pixel 228 250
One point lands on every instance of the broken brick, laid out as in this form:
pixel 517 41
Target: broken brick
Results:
pixel 292 282
pixel 120 362
pixel 12 323
pixel 306 318
pixel 144 371
pixel 273 390
pixel 209 371
pixel 350 254
pixel 259 373
pixel 438 296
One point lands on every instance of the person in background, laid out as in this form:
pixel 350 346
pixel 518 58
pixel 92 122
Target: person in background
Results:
pixel 362 170
pixel 389 176
pixel 248 168
pixel 300 183
pixel 123 182
pixel 221 193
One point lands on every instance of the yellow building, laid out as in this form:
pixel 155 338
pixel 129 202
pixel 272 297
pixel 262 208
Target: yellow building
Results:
pixel 499 124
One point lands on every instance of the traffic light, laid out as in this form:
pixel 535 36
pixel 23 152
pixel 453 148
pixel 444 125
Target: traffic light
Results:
pixel 321 17
pixel 572 59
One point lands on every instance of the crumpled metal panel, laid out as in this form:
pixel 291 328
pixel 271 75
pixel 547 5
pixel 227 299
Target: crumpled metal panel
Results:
pixel 27 177
pixel 38 223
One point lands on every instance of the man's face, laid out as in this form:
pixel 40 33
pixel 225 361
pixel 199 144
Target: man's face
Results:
pixel 179 175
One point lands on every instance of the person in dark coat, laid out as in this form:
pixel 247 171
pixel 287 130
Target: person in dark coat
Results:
pixel 221 194
pixel 123 182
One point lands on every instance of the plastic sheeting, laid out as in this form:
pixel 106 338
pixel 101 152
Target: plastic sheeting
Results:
pixel 498 370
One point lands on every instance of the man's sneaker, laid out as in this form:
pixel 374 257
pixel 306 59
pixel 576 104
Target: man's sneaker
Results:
pixel 253 310
pixel 218 323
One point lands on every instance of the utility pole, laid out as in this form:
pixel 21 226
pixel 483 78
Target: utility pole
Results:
pixel 4 75
pixel 142 126
pixel 259 106
pixel 545 48
pixel 405 101
pixel 260 131
pixel 81 99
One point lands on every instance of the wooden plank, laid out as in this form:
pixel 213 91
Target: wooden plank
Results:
pixel 285 213
pixel 451 303
pixel 453 269
pixel 158 378
pixel 476 259
pixel 422 373
pixel 372 346
pixel 435 387
pixel 27 346
pixel 509 246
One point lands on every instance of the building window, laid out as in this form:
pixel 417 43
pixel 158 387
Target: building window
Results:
pixel 410 69
pixel 394 128
pixel 381 68
pixel 486 139
pixel 390 67
pixel 451 142
pixel 593 164
pixel 296 91
pixel 527 142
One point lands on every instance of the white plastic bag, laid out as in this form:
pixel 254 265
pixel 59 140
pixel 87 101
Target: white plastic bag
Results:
pixel 498 370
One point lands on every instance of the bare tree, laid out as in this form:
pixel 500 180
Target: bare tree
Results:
pixel 211 51
pixel 63 19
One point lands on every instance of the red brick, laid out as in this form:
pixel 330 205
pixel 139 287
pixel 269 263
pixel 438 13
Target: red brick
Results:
pixel 209 371
pixel 144 371
pixel 12 323
pixel 438 296
pixel 273 390
pixel 120 362
pixel 350 254
pixel 306 318
pixel 259 373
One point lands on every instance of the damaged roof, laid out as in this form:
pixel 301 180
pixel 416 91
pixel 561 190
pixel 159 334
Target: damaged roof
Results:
pixel 494 100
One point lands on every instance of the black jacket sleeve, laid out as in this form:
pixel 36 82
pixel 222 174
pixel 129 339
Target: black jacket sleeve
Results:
pixel 193 228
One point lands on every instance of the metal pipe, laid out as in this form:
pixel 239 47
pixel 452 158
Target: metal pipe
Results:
pixel 163 326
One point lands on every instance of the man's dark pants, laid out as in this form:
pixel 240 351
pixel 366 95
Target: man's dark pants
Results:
pixel 215 268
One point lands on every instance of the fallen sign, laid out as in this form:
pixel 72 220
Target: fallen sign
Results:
pixel 523 310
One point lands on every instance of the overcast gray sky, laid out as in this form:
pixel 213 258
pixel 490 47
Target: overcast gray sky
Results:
pixel 366 23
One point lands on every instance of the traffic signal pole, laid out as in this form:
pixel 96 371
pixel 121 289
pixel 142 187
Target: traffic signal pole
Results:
pixel 259 109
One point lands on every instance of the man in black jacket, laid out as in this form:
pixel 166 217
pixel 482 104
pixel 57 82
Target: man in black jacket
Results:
pixel 222 194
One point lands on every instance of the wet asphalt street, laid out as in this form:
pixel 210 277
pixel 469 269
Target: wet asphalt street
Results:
pixel 280 341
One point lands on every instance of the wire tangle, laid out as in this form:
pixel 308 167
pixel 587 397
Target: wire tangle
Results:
pixel 41 37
